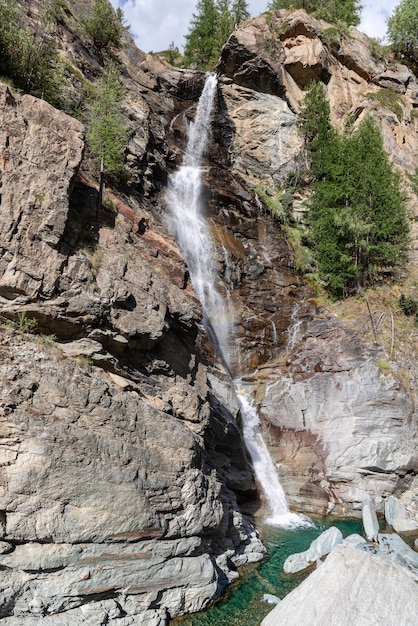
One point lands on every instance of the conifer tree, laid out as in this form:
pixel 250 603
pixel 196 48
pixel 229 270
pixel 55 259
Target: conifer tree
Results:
pixel 224 27
pixel 107 135
pixel 239 10
pixel 199 50
pixel 358 217
pixel 104 26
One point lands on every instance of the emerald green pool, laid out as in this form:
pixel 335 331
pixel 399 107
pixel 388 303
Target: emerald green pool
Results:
pixel 242 605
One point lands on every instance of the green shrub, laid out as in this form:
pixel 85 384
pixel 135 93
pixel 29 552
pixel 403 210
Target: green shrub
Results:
pixel 408 305
pixel 389 99
pixel 30 59
pixel 104 26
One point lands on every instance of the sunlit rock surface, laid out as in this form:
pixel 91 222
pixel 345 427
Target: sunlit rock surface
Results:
pixel 351 587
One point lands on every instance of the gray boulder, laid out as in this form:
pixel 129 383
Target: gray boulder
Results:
pixel 351 587
pixel 397 516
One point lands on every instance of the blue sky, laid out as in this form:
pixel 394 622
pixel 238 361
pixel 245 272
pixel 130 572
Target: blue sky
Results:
pixel 156 23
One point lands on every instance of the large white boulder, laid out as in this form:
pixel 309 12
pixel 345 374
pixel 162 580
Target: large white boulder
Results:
pixel 351 588
pixel 397 516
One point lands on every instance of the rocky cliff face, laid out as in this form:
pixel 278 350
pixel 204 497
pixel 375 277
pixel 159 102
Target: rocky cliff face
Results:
pixel 124 477
pixel 341 421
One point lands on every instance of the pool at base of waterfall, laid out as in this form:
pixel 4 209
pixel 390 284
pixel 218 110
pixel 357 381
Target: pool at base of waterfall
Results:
pixel 242 603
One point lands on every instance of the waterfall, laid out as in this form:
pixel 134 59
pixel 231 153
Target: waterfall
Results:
pixel 188 225
pixel 264 466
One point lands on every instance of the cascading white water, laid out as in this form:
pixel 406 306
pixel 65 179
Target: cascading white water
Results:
pixel 264 466
pixel 189 227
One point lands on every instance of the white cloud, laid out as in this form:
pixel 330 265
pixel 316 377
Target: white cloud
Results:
pixel 374 17
pixel 156 23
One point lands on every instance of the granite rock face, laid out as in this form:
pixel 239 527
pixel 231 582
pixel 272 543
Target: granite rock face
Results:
pixel 118 488
pixel 351 587
pixel 122 462
pixel 341 427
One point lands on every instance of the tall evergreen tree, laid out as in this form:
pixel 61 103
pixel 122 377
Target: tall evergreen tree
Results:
pixel 358 216
pixel 224 27
pixel 199 50
pixel 239 10
pixel 107 135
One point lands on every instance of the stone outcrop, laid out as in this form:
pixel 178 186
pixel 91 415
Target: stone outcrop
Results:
pixel 351 587
pixel 340 425
pixel 397 516
pixel 121 457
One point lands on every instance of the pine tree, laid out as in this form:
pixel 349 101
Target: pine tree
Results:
pixel 240 12
pixel 358 218
pixel 104 26
pixel 224 27
pixel 199 50
pixel 107 135
pixel 315 125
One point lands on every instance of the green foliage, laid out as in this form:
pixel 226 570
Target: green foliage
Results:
pixel 315 126
pixel 414 180
pixel 107 135
pixel 358 216
pixel 403 30
pixel 408 305
pixel 30 59
pixel 22 323
pixel 104 27
pixel 277 200
pixel 172 55
pixel 209 30
pixel 332 36
pixel 389 99
pixel 239 10
pixel 199 49
pixel 304 259
pixel 347 11
pixel 377 49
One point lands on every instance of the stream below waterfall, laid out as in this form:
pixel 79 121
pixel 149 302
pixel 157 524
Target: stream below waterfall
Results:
pixel 242 603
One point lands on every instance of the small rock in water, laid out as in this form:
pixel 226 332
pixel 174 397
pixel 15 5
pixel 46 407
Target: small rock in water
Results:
pixel 321 546
pixel 270 598
pixel 370 523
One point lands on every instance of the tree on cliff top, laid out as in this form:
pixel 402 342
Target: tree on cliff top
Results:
pixel 209 30
pixel 240 11
pixel 199 48
pixel 403 30
pixel 333 11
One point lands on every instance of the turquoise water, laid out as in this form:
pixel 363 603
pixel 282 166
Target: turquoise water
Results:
pixel 241 605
